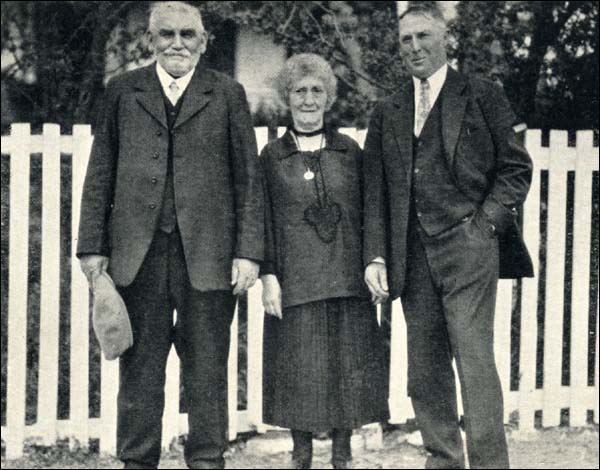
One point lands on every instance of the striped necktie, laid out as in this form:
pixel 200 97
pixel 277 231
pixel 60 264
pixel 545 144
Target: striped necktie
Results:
pixel 424 106
pixel 173 92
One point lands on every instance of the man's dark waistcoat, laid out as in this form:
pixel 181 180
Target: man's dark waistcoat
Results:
pixel 438 202
pixel 216 176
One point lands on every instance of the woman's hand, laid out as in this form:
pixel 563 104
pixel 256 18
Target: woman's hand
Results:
pixel 271 296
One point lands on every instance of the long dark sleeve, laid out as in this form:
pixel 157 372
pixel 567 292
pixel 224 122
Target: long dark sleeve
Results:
pixel 513 165
pixel 374 192
pixel 269 265
pixel 247 180
pixel 98 187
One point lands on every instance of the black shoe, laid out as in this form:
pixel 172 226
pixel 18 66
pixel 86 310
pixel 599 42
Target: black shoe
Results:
pixel 343 464
pixel 137 465
pixel 301 463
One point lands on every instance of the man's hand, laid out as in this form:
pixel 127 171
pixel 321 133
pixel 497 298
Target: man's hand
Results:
pixel 271 296
pixel 376 279
pixel 92 266
pixel 244 273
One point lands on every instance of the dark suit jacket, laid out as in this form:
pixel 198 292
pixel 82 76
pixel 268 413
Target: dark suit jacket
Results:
pixel 217 178
pixel 487 161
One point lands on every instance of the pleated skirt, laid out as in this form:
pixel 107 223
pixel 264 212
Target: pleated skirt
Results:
pixel 325 366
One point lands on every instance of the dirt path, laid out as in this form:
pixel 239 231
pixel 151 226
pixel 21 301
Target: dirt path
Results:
pixel 555 448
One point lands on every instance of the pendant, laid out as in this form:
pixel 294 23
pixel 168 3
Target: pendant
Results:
pixel 309 175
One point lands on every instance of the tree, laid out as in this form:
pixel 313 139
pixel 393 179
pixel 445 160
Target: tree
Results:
pixel 545 54
pixel 61 46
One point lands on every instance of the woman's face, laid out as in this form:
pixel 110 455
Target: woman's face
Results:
pixel 308 99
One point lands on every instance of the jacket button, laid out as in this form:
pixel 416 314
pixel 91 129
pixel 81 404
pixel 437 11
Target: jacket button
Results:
pixel 154 180
pixel 156 155
pixel 417 170
pixel 159 133
pixel 152 206
pixel 419 214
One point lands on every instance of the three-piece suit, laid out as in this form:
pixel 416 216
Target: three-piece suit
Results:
pixel 172 194
pixel 441 210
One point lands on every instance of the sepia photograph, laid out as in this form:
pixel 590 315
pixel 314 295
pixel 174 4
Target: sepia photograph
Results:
pixel 299 234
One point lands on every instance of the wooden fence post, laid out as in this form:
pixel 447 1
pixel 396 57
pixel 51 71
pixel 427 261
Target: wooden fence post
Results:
pixel 586 162
pixel 561 158
pixel 529 302
pixel 50 285
pixel 79 358
pixel 18 262
pixel 232 378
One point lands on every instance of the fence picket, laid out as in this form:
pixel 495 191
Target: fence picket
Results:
pixel 560 156
pixel 170 425
pixel 79 357
pixel 18 256
pixel 232 376
pixel 109 387
pixel 50 285
pixel 579 397
pixel 400 405
pixel 529 301
pixel 255 364
pixel 262 137
pixel 580 289
pixel 596 360
pixel 502 338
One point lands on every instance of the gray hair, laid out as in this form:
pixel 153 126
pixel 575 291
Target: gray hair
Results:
pixel 425 9
pixel 158 8
pixel 304 65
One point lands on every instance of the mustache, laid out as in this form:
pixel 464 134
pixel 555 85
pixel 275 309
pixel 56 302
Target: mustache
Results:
pixel 176 54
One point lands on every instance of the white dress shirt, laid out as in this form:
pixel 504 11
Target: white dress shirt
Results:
pixel 166 80
pixel 436 82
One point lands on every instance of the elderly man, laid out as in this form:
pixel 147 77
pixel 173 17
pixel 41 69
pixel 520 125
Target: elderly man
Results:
pixel 172 207
pixel 444 175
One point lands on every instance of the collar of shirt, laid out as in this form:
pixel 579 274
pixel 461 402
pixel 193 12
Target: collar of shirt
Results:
pixel 436 82
pixel 166 79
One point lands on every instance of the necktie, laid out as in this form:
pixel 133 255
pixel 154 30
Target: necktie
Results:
pixel 424 107
pixel 173 92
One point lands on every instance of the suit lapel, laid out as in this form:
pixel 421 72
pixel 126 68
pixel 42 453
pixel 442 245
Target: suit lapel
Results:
pixel 196 97
pixel 404 123
pixel 150 96
pixel 454 104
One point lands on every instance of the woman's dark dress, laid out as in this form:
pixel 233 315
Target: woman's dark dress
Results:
pixel 324 362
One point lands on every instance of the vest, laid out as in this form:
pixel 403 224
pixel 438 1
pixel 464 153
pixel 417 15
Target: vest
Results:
pixel 438 203
pixel 168 216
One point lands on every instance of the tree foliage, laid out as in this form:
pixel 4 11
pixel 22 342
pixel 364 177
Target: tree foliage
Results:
pixel 59 51
pixel 544 53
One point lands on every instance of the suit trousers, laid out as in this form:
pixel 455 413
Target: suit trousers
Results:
pixel 201 336
pixel 449 301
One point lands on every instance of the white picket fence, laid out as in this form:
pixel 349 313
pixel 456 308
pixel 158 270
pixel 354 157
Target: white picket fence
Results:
pixel 557 159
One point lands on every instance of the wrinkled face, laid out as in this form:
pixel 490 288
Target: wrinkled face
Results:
pixel 178 42
pixel 307 100
pixel 422 44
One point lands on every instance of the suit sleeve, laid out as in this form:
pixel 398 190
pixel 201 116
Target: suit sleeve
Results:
pixel 375 223
pixel 98 187
pixel 247 179
pixel 513 165
pixel 269 265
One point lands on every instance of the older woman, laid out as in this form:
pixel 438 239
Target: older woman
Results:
pixel 323 352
